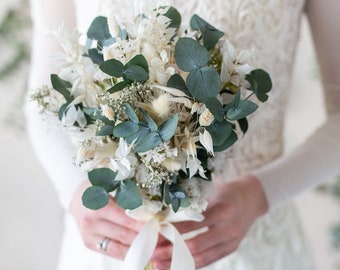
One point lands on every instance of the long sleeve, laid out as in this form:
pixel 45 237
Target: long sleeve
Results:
pixel 318 158
pixel 52 146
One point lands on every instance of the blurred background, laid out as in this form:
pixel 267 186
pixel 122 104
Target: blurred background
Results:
pixel 31 218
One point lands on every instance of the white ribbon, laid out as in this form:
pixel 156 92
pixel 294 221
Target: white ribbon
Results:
pixel 143 246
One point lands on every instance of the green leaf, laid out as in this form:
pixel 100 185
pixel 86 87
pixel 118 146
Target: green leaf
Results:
pixel 105 131
pixel 113 68
pixel 244 108
pixel 150 122
pixel 190 55
pixel 216 108
pixel 220 131
pixel 229 142
pixel 150 141
pixel 260 83
pixel 99 29
pixel 61 86
pixel 168 129
pixel 136 73
pixel 128 195
pixel 118 86
pixel 131 113
pixel 103 177
pixel 204 83
pixel 95 56
pixel 96 113
pixel 175 18
pixel 176 81
pixel 139 135
pixel 62 111
pixel 175 195
pixel 210 34
pixel 125 129
pixel 138 60
pixel 243 123
pixel 95 198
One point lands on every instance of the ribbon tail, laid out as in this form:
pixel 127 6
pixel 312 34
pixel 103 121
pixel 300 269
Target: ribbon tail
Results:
pixel 181 256
pixel 142 247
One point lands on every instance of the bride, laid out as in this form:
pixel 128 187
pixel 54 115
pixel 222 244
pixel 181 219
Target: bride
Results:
pixel 259 229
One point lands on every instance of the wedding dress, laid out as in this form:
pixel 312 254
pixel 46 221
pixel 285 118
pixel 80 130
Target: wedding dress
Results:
pixel 271 28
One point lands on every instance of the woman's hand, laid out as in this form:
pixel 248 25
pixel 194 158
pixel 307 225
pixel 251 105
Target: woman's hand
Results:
pixel 233 208
pixel 110 222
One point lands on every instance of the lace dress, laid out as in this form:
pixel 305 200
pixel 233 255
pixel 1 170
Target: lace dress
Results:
pixel 270 27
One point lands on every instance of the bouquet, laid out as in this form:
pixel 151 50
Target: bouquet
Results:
pixel 149 105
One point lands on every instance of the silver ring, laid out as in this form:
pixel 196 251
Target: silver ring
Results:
pixel 102 245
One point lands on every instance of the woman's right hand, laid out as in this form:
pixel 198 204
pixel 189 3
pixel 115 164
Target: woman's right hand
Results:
pixel 110 222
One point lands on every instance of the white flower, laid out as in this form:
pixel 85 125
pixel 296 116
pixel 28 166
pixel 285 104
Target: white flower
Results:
pixel 124 162
pixel 194 166
pixel 206 118
pixel 107 111
pixel 206 141
pixel 171 164
pixel 161 105
pixel 74 115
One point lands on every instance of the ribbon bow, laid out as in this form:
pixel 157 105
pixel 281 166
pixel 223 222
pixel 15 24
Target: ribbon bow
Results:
pixel 143 246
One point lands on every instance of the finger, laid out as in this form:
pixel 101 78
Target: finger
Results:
pixel 215 253
pixel 113 248
pixel 113 213
pixel 114 231
pixel 213 215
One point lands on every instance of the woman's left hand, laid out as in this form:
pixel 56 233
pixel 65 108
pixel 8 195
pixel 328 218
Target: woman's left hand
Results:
pixel 233 208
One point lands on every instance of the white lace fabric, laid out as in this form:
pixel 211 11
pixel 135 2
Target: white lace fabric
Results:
pixel 271 27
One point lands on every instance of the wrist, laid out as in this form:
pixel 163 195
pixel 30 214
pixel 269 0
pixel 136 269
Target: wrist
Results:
pixel 254 193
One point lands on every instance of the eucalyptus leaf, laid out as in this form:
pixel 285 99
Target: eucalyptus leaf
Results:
pixel 136 73
pixel 210 34
pixel 150 122
pixel 176 81
pixel 62 111
pixel 95 198
pixel 229 142
pixel 220 131
pixel 125 129
pixel 190 55
pixel 139 60
pixel 99 29
pixel 139 135
pixel 260 83
pixel 216 108
pixel 131 113
pixel 95 56
pixel 118 87
pixel 150 141
pixel 103 177
pixel 168 129
pixel 204 83
pixel 175 18
pixel 243 123
pixel 244 108
pixel 113 68
pixel 61 86
pixel 105 131
pixel 128 195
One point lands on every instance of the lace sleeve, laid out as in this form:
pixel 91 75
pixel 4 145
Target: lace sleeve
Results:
pixel 318 158
pixel 53 147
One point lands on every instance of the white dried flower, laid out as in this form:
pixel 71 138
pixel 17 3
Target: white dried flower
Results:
pixel 161 106
pixel 171 164
pixel 107 111
pixel 206 141
pixel 206 118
